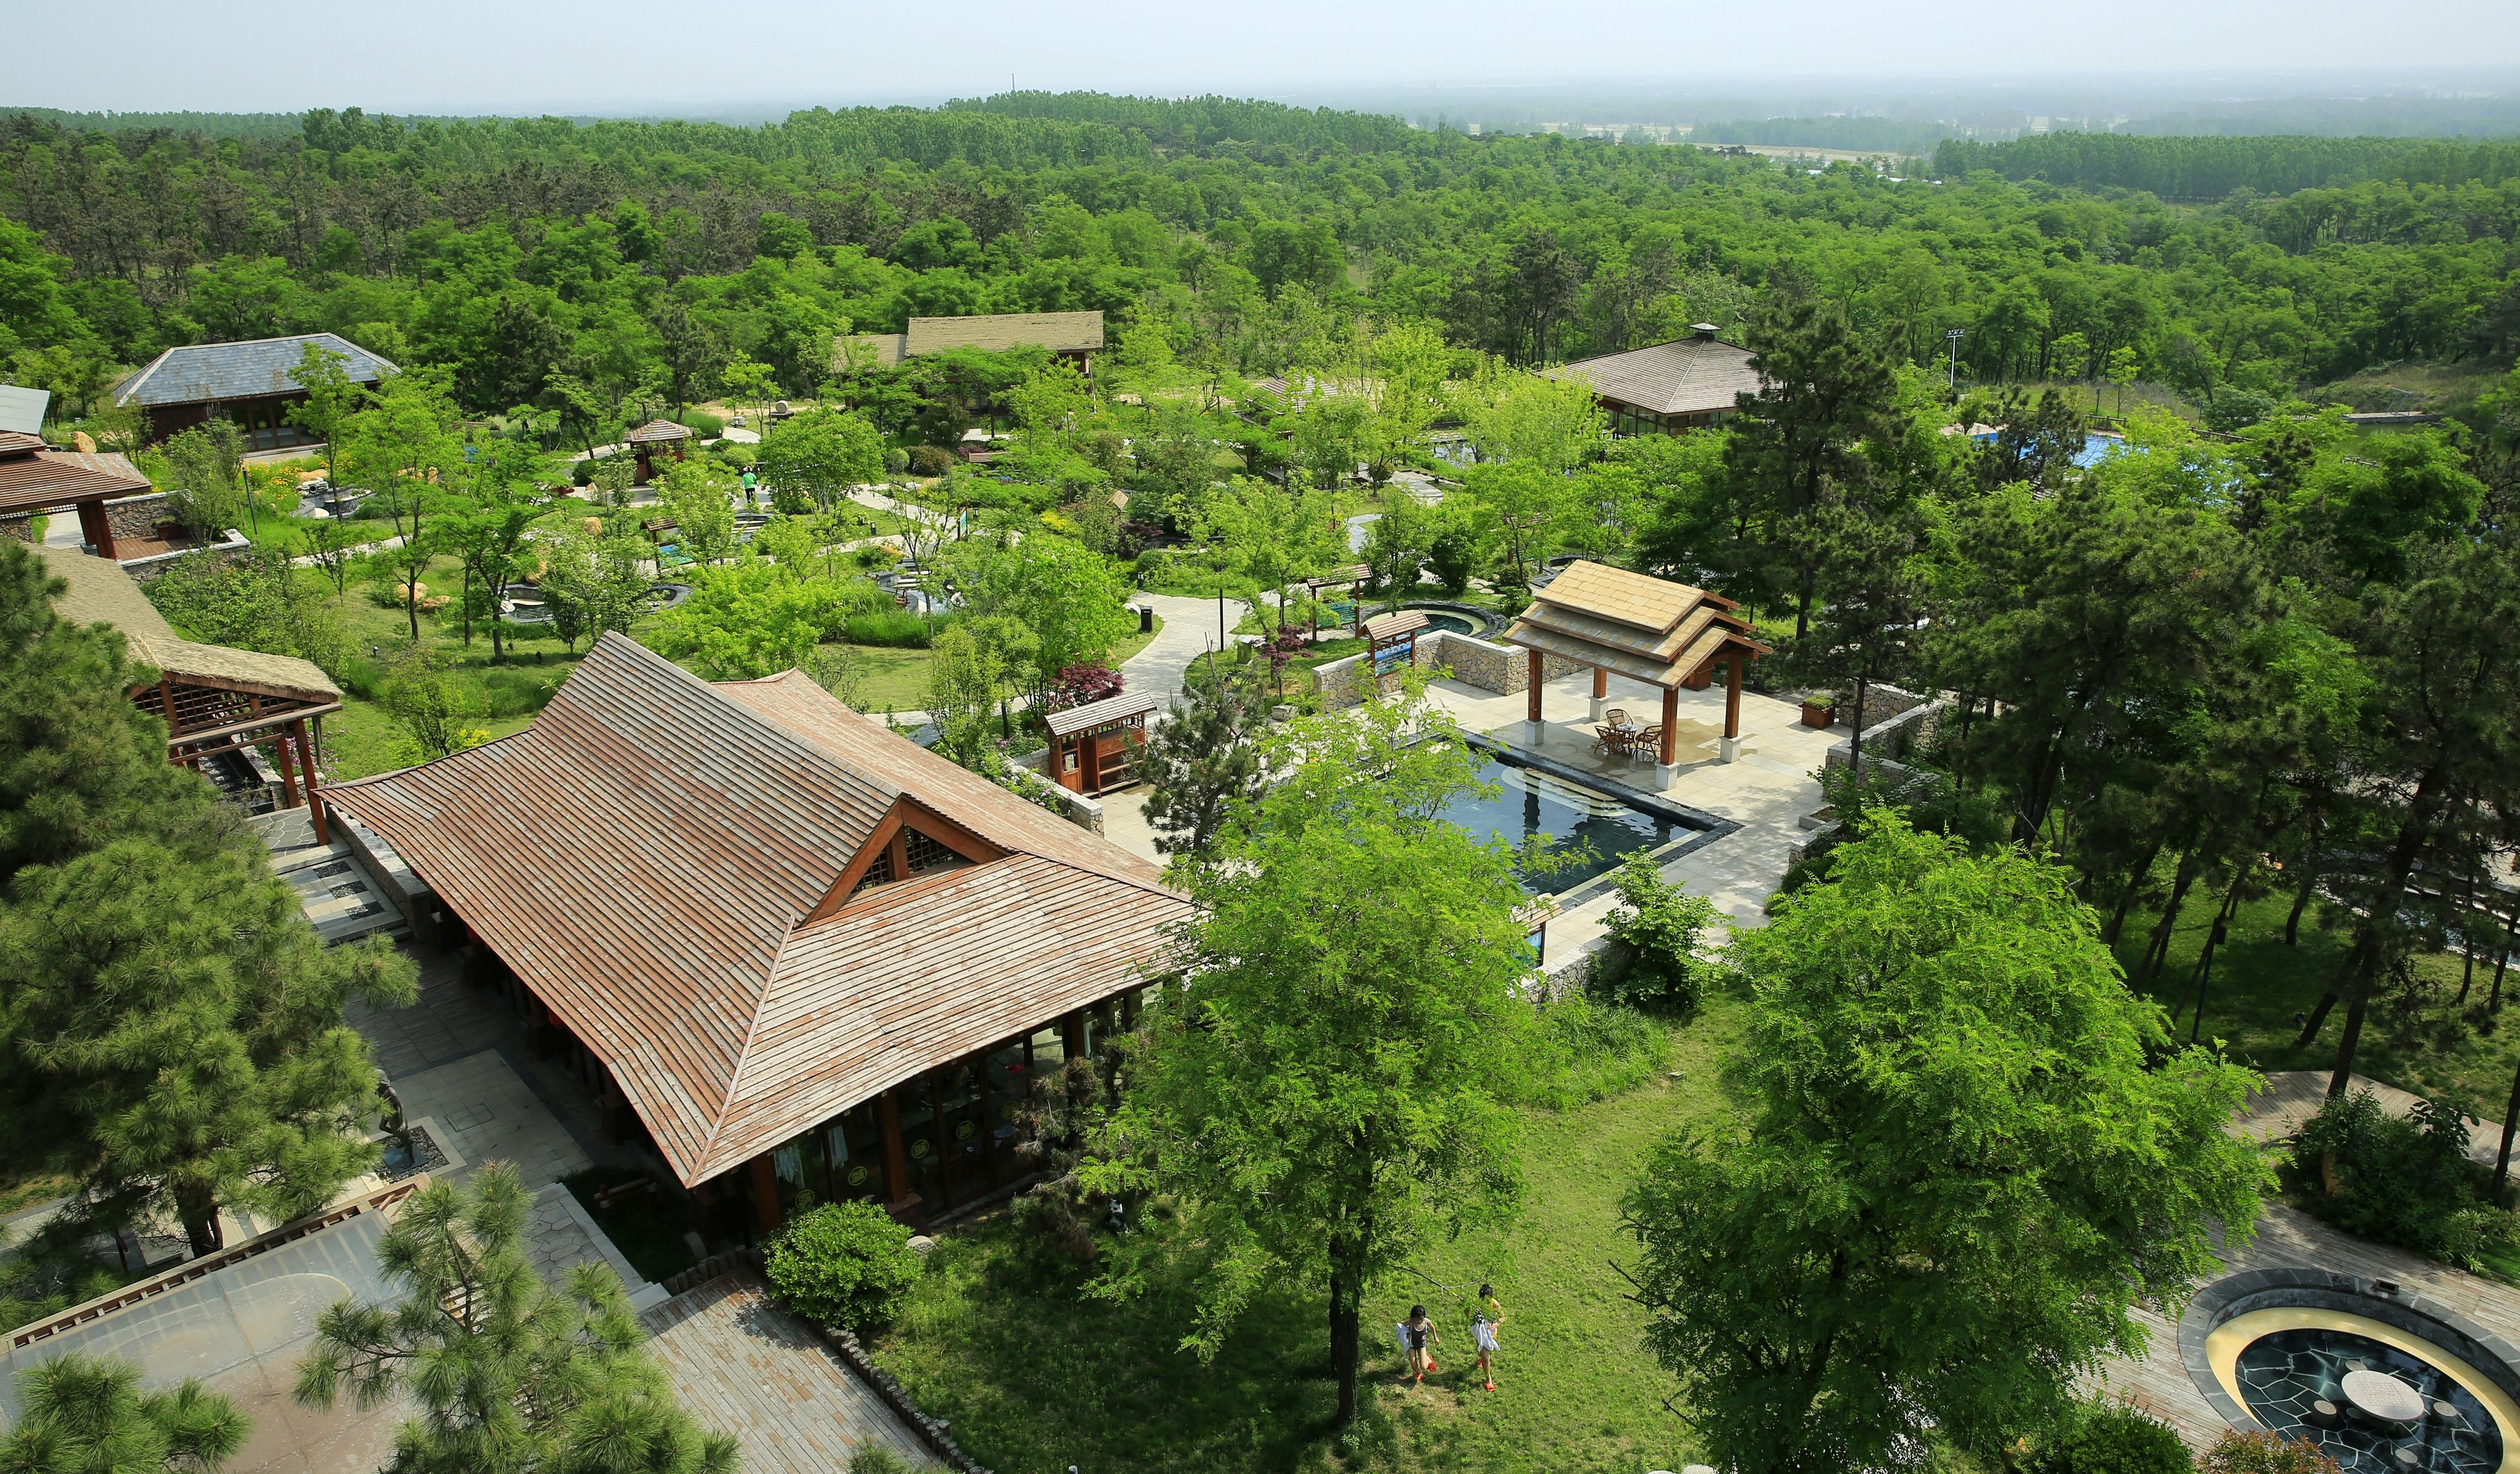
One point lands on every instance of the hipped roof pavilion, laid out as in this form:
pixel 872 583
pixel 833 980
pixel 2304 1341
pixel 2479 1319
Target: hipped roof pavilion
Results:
pixel 35 477
pixel 1645 628
pixel 706 884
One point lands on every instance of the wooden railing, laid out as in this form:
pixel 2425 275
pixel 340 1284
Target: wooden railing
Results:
pixel 210 1264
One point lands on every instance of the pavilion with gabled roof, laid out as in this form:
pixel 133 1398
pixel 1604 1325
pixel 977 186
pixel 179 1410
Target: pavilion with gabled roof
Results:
pixel 1647 629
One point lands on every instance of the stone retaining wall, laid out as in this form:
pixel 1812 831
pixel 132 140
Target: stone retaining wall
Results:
pixel 1501 668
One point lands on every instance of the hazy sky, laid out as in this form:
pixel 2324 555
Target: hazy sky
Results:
pixel 645 57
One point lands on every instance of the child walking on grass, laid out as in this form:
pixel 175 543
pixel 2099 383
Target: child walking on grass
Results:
pixel 1483 1331
pixel 1418 1338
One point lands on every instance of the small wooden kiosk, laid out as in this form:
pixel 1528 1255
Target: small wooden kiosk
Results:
pixel 1394 639
pixel 1353 576
pixel 1093 747
pixel 655 436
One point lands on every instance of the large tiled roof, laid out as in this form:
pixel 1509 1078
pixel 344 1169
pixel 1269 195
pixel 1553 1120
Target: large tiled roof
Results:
pixel 33 479
pixel 650 856
pixel 205 373
pixel 99 591
pixel 1691 375
pixel 1632 623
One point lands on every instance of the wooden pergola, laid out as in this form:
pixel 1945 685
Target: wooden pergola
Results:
pixel 212 698
pixel 1661 633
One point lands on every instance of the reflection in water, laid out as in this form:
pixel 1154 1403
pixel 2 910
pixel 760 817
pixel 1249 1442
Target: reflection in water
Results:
pixel 1567 818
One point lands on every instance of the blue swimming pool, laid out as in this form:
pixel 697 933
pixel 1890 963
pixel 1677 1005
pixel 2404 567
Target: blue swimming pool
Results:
pixel 1564 815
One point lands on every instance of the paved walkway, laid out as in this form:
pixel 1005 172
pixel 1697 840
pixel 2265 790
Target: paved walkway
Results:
pixel 1188 632
pixel 2158 1382
pixel 744 1366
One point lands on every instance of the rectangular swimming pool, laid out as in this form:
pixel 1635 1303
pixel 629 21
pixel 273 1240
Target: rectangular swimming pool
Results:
pixel 1563 815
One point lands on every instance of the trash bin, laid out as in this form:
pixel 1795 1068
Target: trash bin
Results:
pixel 1146 619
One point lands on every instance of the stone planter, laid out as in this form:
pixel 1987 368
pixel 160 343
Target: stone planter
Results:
pixel 1818 714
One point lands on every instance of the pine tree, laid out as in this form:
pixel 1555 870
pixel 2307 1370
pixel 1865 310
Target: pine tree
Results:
pixel 1198 763
pixel 511 1377
pixel 89 1416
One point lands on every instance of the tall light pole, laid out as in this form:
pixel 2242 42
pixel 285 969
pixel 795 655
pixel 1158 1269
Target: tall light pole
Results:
pixel 1953 336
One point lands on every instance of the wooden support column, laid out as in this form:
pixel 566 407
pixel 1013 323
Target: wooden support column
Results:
pixel 1600 683
pixel 1071 1033
pixel 1732 694
pixel 307 742
pixel 288 768
pixel 96 528
pixel 765 1195
pixel 1531 684
pixel 1670 726
pixel 896 1170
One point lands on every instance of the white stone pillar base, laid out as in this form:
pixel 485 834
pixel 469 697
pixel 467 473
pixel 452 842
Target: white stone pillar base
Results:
pixel 1728 749
pixel 1531 733
pixel 1665 775
pixel 1600 707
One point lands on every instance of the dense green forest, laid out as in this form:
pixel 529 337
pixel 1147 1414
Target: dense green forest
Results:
pixel 1245 235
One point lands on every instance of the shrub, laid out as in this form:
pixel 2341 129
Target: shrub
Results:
pixel 2107 1438
pixel 2391 1179
pixel 930 461
pixel 1594 1051
pixel 898 628
pixel 845 1263
pixel 1654 963
pixel 1078 685
pixel 2261 1453
pixel 896 461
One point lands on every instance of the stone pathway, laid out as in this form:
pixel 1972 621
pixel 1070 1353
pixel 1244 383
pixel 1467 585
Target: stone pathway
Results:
pixel 1188 632
pixel 744 1366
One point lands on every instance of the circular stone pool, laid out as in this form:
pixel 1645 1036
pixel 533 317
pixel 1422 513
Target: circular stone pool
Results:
pixel 2383 1381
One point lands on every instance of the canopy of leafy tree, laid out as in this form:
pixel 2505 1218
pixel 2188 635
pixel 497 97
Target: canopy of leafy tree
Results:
pixel 530 256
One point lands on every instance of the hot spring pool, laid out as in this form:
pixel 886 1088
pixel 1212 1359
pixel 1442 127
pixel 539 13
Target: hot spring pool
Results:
pixel 1533 804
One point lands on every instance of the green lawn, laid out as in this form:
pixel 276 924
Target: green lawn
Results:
pixel 2260 984
pixel 1035 1377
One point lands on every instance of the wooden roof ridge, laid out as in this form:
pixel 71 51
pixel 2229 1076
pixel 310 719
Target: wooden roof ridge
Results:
pixel 1393 625
pixel 656 430
pixel 989 811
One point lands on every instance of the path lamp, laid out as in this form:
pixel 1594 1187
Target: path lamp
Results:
pixel 1953 336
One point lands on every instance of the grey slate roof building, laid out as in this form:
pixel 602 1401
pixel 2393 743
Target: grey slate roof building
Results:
pixel 1663 388
pixel 247 381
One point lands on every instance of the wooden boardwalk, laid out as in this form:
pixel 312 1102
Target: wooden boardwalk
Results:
pixel 2158 1383
pixel 744 1366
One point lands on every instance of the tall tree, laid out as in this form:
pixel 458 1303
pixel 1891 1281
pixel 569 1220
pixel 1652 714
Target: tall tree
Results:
pixel 401 447
pixel 1337 1090
pixel 191 1021
pixel 2444 733
pixel 1825 389
pixel 332 397
pixel 1200 763
pixel 511 1375
pixel 1957 1173
pixel 820 453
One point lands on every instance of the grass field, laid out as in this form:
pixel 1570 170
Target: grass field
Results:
pixel 1035 1377
pixel 2259 985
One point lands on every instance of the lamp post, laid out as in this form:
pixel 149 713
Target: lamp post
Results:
pixel 1953 336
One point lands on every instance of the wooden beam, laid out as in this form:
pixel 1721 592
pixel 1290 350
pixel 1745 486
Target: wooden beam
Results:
pixel 1531 683
pixel 896 1170
pixel 1601 681
pixel 765 1194
pixel 1669 725
pixel 1733 693
pixel 314 799
pixel 288 770
pixel 96 528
